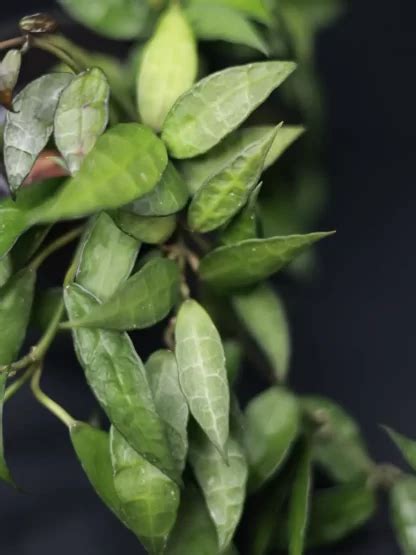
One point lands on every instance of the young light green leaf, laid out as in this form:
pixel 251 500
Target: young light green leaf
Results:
pixel 163 376
pixel 6 269
pixel 244 225
pixel 218 104
pixel 233 356
pixel 30 125
pixel 245 263
pixel 337 512
pixel 116 19
pixel 140 302
pixel 168 197
pixel 254 8
pixel 107 257
pixel 202 373
pixel 406 446
pixel 148 229
pixel 223 484
pixel 222 196
pixel 168 68
pixel 272 425
pixel 299 503
pixel 216 22
pixel 403 513
pixel 81 116
pixel 194 531
pixel 263 314
pixel 149 499
pixel 126 163
pixel 117 377
pixel 338 446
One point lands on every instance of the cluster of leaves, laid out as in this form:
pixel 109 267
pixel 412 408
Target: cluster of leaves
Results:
pixel 166 190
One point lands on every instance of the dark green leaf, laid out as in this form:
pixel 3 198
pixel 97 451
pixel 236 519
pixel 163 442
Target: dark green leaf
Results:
pixel 244 225
pixel 406 446
pixel 163 376
pixel 299 503
pixel 45 307
pixel 218 104
pixel 249 261
pixel 264 315
pixel 403 513
pixel 149 499
pixel 149 229
pixel 222 196
pixel 117 377
pixel 233 356
pixel 337 445
pixel 202 372
pixel 223 483
pixel 106 258
pixel 168 197
pixel 81 116
pixel 30 125
pixel 27 245
pixel 6 269
pixel 272 425
pixel 168 67
pixel 215 22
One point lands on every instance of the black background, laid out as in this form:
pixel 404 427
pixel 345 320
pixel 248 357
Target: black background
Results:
pixel 354 329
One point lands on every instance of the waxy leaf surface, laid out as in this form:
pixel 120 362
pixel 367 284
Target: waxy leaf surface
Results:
pixel 299 503
pixel 218 104
pixel 202 373
pixel 81 116
pixel 403 513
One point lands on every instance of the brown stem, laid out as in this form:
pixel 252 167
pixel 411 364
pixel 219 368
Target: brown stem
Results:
pixel 12 43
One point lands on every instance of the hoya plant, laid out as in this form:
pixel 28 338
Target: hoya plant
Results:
pixel 151 171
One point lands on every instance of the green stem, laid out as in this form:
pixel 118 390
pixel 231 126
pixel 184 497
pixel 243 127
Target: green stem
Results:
pixel 55 246
pixel 49 403
pixel 17 384
pixel 44 43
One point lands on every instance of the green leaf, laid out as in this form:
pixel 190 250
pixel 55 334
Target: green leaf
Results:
pixel 233 356
pixel 168 197
pixel 148 229
pixel 299 503
pixel 263 314
pixel 285 137
pixel 244 225
pixel 218 104
pixel 337 512
pixel 28 244
pixel 163 376
pixel 126 163
pixel 202 373
pixel 272 425
pixel 168 67
pixel 116 19
pixel 149 499
pixel 253 8
pixel 222 196
pixel 45 307
pixel 194 531
pixel 338 446
pixel 223 484
pixel 107 257
pixel 81 116
pixel 406 446
pixel 30 125
pixel 117 377
pixel 403 513
pixel 6 269
pixel 9 75
pixel 212 21
pixel 245 263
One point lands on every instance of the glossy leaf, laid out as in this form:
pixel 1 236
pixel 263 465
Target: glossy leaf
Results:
pixel 117 377
pixel 149 499
pixel 223 483
pixel 107 257
pixel 163 376
pixel 168 67
pixel 30 125
pixel 299 504
pixel 81 116
pixel 9 74
pixel 168 197
pixel 244 225
pixel 263 314
pixel 148 229
pixel 216 22
pixel 222 196
pixel 338 447
pixel 403 513
pixel 254 8
pixel 218 104
pixel 337 512
pixel 272 425
pixel 202 373
pixel 6 269
pixel 126 163
pixel 143 300
pixel 406 446
pixel 249 261
pixel 116 19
